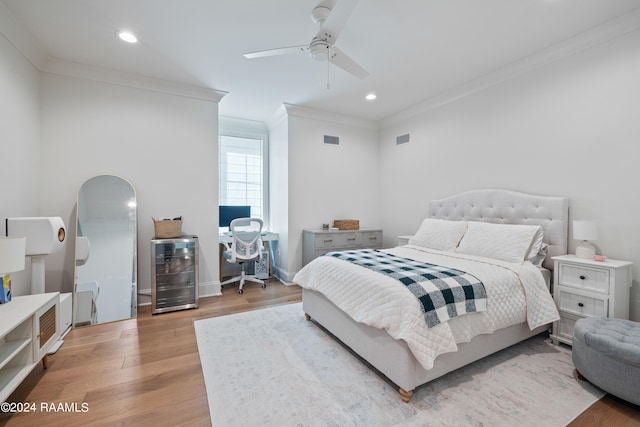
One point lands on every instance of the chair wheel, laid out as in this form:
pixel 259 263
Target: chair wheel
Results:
pixel 240 291
pixel 264 285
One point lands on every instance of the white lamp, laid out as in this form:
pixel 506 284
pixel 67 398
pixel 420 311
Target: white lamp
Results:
pixel 12 253
pixel 585 230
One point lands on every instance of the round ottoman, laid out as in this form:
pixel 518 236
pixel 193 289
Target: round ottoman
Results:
pixel 606 352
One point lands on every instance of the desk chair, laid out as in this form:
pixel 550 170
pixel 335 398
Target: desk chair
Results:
pixel 246 246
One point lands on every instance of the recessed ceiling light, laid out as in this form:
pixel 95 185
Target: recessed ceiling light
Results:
pixel 370 96
pixel 127 36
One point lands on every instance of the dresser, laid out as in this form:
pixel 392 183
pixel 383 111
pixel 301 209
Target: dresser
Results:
pixel 583 287
pixel 319 242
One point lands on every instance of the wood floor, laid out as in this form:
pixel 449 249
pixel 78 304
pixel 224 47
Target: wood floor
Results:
pixel 146 372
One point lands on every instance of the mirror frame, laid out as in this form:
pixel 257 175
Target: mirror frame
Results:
pixel 134 303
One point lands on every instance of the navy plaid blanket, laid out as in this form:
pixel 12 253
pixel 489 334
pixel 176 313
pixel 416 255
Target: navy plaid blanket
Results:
pixel 443 292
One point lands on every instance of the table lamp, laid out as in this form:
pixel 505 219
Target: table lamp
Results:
pixel 585 230
pixel 12 258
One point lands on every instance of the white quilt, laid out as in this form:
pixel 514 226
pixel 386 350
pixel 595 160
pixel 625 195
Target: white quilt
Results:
pixel 515 293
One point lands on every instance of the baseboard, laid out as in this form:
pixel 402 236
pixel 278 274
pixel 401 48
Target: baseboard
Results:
pixel 284 276
pixel 210 289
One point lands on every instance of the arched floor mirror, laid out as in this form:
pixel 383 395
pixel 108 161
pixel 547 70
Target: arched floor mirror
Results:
pixel 105 287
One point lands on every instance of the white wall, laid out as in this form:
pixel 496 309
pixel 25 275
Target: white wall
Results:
pixel 570 128
pixel 329 182
pixel 19 144
pixel 279 189
pixel 164 144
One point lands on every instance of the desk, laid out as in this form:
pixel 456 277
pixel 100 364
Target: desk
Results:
pixel 267 238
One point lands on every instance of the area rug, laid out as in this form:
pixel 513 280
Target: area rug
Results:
pixel 271 367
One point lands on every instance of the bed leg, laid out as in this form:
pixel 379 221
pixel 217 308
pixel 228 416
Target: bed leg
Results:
pixel 580 376
pixel 405 395
pixel 306 316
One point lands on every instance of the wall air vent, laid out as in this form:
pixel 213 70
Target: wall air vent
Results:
pixel 332 140
pixel 403 139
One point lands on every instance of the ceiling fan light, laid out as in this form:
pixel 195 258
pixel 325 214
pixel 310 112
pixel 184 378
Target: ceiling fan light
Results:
pixel 319 50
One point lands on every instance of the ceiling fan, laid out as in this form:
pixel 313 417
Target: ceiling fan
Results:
pixel 331 15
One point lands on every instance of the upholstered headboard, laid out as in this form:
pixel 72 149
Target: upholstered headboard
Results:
pixel 511 207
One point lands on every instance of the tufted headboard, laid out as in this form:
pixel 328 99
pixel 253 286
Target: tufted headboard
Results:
pixel 511 207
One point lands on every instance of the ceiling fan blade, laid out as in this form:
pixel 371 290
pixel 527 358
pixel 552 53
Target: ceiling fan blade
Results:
pixel 337 19
pixel 278 51
pixel 340 59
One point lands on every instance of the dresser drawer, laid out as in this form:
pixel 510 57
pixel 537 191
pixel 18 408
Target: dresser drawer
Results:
pixel 591 279
pixel 335 240
pixel 326 241
pixel 372 239
pixel 584 305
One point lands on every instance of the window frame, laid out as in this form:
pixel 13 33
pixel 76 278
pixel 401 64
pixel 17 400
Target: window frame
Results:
pixel 249 129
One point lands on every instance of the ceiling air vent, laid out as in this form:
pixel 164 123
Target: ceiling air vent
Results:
pixel 403 139
pixel 332 140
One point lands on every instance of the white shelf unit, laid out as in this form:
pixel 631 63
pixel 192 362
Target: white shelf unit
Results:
pixel 28 328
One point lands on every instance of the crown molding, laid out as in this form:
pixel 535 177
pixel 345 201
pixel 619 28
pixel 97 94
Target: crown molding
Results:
pixel 311 113
pixel 606 32
pixel 21 39
pixel 274 120
pixel 233 126
pixel 121 78
pixel 28 46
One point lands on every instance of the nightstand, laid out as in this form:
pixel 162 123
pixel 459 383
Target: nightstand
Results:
pixel 583 287
pixel 403 240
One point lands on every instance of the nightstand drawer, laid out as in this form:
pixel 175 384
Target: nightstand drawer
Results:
pixel 584 305
pixel 565 327
pixel 591 279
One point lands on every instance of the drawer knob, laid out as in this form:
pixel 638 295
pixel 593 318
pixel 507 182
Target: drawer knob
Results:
pixel 328 240
pixel 582 277
pixel 580 304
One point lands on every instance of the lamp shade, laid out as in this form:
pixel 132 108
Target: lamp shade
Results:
pixel 585 230
pixel 12 253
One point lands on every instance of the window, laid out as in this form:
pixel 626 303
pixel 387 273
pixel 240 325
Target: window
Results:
pixel 243 168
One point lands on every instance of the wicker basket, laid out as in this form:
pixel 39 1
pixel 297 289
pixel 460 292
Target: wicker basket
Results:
pixel 347 224
pixel 167 228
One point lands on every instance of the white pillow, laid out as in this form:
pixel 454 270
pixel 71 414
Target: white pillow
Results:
pixel 536 245
pixel 439 234
pixel 506 242
pixel 538 259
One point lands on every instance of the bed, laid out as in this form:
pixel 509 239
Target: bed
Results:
pixel 383 335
